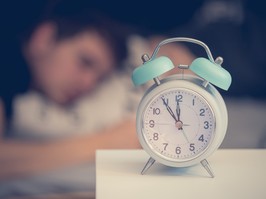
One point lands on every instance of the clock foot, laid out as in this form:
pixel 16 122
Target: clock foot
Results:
pixel 149 163
pixel 206 165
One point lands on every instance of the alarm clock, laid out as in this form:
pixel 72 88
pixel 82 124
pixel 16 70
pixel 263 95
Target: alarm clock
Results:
pixel 181 119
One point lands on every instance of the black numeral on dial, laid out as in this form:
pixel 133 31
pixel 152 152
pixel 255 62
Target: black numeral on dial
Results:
pixel 178 150
pixel 155 136
pixel 156 111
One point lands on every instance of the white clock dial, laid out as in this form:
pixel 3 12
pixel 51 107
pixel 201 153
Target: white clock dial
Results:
pixel 178 124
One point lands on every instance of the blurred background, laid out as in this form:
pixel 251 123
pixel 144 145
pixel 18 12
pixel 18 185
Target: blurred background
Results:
pixel 35 112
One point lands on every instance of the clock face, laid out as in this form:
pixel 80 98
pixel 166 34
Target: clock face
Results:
pixel 178 124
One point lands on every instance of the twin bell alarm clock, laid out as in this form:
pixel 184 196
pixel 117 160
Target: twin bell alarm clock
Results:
pixel 181 119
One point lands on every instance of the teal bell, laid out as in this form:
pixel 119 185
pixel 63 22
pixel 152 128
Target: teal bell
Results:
pixel 151 69
pixel 211 72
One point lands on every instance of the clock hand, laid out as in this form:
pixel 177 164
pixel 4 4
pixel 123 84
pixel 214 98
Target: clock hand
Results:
pixel 169 109
pixel 158 123
pixel 185 135
pixel 178 110
pixel 179 123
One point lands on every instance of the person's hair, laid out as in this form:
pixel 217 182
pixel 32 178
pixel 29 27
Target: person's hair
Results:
pixel 70 17
pixel 74 17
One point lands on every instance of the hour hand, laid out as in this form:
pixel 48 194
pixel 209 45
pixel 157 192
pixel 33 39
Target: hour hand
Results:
pixel 169 109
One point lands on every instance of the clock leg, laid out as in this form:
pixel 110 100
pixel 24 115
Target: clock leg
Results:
pixel 149 163
pixel 206 165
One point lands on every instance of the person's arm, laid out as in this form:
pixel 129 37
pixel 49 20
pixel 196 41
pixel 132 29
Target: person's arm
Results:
pixel 19 158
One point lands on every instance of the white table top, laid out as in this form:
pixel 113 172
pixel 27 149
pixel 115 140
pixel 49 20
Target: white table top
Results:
pixel 238 174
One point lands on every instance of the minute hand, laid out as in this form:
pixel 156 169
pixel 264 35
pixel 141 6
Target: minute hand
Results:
pixel 178 110
pixel 169 109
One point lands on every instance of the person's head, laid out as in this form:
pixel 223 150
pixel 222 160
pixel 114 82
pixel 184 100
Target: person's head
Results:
pixel 71 50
